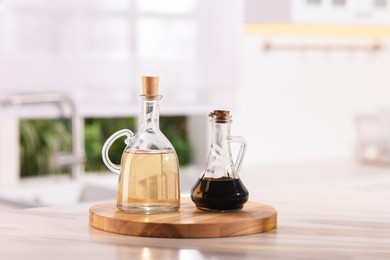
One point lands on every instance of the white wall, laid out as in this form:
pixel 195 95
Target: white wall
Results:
pixel 296 105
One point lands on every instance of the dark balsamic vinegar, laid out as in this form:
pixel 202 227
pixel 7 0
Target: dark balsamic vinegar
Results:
pixel 222 194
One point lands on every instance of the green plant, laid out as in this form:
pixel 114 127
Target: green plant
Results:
pixel 175 129
pixel 41 138
pixel 97 130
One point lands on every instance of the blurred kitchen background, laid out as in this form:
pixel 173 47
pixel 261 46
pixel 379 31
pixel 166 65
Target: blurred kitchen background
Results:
pixel 306 80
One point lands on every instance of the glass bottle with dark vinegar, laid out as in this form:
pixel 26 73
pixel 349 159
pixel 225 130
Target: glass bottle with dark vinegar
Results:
pixel 219 188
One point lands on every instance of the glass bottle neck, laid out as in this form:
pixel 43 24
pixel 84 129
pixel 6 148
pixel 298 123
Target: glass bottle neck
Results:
pixel 219 163
pixel 220 135
pixel 150 114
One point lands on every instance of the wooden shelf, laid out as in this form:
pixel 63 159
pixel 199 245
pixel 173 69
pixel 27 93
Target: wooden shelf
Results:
pixel 318 30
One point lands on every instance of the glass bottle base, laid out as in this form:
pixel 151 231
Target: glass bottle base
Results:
pixel 148 209
pixel 220 210
pixel 219 195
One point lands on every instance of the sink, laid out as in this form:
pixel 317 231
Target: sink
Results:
pixel 61 190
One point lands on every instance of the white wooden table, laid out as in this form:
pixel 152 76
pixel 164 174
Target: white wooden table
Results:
pixel 326 210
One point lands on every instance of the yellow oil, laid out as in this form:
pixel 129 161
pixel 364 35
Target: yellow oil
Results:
pixel 149 182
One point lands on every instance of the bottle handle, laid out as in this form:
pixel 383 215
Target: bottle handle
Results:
pixel 241 152
pixel 115 168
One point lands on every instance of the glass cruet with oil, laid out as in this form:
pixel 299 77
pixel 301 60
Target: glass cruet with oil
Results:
pixel 219 187
pixel 149 169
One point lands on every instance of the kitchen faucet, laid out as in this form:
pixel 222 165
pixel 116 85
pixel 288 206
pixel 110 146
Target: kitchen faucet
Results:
pixel 76 158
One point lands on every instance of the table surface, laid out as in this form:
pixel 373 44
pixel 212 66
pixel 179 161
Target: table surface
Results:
pixel 335 209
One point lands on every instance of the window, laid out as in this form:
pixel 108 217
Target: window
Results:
pixel 101 48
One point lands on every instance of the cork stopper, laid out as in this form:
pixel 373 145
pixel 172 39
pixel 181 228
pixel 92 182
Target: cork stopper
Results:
pixel 150 86
pixel 221 116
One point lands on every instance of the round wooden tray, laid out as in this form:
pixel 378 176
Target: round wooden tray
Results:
pixel 187 222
